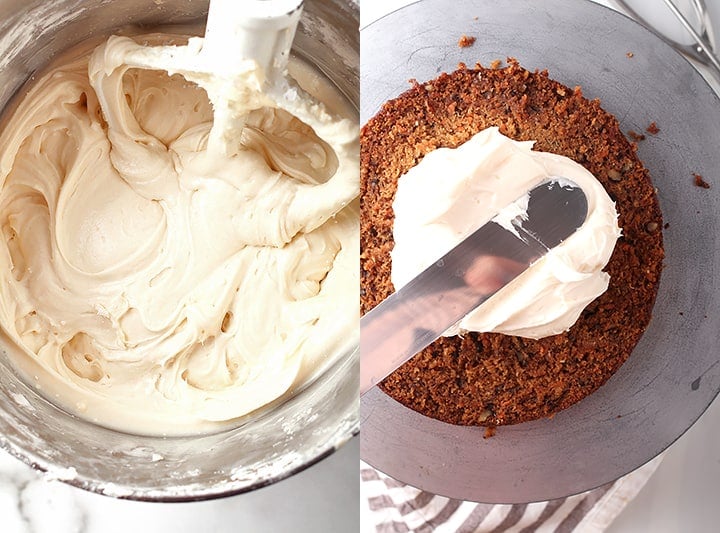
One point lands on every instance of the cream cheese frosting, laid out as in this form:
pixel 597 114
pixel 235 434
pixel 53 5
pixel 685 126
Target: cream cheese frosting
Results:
pixel 452 192
pixel 154 286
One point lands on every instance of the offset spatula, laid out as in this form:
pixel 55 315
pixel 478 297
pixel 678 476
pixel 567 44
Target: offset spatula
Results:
pixel 461 280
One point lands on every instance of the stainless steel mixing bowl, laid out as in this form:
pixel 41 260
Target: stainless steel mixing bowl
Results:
pixel 267 447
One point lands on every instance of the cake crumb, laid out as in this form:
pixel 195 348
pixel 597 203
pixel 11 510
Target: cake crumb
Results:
pixel 496 64
pixel 653 129
pixel 667 225
pixel 489 432
pixel 630 54
pixel 466 41
pixel 700 182
pixel 475 18
pixel 635 136
pixel 614 175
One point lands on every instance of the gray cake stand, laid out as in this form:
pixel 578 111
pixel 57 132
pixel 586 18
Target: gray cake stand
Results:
pixel 674 373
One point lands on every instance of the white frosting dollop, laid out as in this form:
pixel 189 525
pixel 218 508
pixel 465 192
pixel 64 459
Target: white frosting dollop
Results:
pixel 452 192
pixel 155 287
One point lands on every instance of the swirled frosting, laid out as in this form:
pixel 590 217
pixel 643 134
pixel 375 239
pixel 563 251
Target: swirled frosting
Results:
pixel 451 192
pixel 152 286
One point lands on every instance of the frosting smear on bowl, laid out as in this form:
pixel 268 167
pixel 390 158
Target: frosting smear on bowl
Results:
pixel 154 286
pixel 452 192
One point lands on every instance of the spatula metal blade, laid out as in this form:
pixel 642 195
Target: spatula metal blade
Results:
pixel 465 277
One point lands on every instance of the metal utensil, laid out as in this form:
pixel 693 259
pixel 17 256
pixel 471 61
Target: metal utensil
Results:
pixel 254 36
pixel 704 46
pixel 478 267
pixel 703 49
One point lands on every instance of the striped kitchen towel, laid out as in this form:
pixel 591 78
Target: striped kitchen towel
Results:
pixel 393 507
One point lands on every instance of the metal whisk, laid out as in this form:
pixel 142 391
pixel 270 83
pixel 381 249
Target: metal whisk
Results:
pixel 703 50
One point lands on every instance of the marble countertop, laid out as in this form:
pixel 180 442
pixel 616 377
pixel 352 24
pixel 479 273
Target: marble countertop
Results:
pixel 322 498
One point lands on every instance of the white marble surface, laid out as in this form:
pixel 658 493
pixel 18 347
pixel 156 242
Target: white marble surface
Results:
pixel 683 495
pixel 323 498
